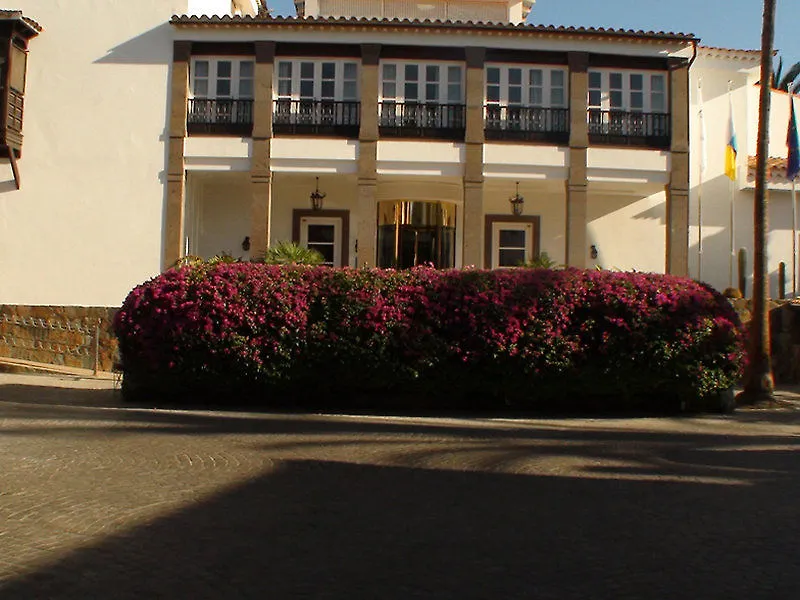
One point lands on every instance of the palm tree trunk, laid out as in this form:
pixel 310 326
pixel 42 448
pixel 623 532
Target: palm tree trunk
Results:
pixel 758 379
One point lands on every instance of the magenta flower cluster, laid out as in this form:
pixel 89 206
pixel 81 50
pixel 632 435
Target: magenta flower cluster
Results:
pixel 512 334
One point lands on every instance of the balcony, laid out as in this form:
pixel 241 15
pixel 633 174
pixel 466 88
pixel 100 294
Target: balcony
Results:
pixel 527 123
pixel 220 117
pixel 316 117
pixel 436 121
pixel 618 128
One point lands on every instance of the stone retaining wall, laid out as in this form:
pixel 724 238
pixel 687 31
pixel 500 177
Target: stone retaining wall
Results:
pixel 59 335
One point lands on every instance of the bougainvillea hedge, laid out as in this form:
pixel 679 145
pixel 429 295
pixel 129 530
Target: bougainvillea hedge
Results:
pixel 314 336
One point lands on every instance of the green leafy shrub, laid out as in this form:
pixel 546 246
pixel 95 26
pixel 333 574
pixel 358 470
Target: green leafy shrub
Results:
pixel 290 253
pixel 277 334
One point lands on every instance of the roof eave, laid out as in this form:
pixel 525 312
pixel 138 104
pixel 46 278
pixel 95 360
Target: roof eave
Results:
pixel 249 21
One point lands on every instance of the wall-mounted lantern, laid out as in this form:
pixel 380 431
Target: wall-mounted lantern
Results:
pixel 517 202
pixel 317 197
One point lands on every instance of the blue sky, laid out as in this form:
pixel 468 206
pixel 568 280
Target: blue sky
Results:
pixel 727 23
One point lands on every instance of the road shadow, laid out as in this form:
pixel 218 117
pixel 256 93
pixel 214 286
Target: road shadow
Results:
pixel 327 530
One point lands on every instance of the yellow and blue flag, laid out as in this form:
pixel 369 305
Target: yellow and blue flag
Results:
pixel 732 149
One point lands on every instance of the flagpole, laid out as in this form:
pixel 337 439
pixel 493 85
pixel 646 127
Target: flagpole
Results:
pixel 700 227
pixel 732 259
pixel 703 160
pixel 732 207
pixel 794 241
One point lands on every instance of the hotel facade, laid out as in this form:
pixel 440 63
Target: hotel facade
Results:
pixel 381 133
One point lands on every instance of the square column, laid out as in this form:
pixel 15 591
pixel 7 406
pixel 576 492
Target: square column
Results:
pixel 176 178
pixel 260 170
pixel 367 211
pixel 677 242
pixel 474 212
pixel 577 189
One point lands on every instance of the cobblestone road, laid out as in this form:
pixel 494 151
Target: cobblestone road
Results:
pixel 102 501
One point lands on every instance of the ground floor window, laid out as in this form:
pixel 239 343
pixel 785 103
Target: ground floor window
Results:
pixel 511 241
pixel 326 231
pixel 416 233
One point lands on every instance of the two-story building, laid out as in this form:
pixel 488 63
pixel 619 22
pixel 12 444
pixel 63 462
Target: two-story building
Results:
pixel 386 133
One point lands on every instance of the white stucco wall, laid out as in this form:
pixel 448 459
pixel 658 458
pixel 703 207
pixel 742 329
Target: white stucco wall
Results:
pixel 717 199
pixel 87 224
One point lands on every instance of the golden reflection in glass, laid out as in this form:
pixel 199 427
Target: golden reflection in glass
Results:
pixel 413 233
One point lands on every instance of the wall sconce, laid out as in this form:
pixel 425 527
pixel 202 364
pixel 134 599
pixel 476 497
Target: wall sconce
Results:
pixel 246 243
pixel 593 251
pixel 517 202
pixel 316 198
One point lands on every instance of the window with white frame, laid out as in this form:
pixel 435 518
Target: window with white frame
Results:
pixel 222 77
pixel 538 86
pixel 323 234
pixel 628 91
pixel 332 80
pixel 512 244
pixel 421 83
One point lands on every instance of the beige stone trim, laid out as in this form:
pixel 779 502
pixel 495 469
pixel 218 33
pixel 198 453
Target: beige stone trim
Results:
pixel 677 242
pixel 577 207
pixel 578 99
pixel 474 226
pixel 176 179
pixel 475 86
pixel 260 168
pixel 679 104
pixel 261 204
pixel 262 85
pixel 369 92
pixel 367 223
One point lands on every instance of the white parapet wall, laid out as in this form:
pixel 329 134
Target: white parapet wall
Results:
pixel 220 8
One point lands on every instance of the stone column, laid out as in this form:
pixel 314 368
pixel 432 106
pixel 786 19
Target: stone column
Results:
pixel 577 186
pixel 474 212
pixel 677 242
pixel 367 211
pixel 176 178
pixel 260 174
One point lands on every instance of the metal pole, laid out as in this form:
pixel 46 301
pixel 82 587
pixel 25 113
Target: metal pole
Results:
pixel 732 260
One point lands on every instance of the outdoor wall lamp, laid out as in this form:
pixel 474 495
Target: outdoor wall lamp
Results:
pixel 246 243
pixel 316 198
pixel 517 202
pixel 593 251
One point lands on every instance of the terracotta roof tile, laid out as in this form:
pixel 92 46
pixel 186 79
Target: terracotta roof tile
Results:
pixel 488 25
pixel 776 168
pixel 8 15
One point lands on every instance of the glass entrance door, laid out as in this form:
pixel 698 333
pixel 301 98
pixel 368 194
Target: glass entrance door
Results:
pixel 416 233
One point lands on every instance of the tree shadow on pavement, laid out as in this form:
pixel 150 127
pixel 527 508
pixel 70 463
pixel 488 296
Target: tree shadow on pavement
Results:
pixel 440 508
pixel 327 530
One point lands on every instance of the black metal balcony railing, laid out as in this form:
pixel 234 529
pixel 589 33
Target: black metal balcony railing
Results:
pixel 442 121
pixel 316 117
pixel 220 116
pixel 529 123
pixel 629 128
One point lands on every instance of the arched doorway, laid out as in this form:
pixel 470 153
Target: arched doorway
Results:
pixel 412 233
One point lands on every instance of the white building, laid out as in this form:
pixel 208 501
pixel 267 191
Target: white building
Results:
pixel 204 126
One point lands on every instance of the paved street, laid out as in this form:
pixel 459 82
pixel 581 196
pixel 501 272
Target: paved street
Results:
pixel 99 500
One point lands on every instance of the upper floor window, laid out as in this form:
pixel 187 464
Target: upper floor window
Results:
pixel 222 78
pixel 317 80
pixel 421 83
pixel 628 91
pixel 544 87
